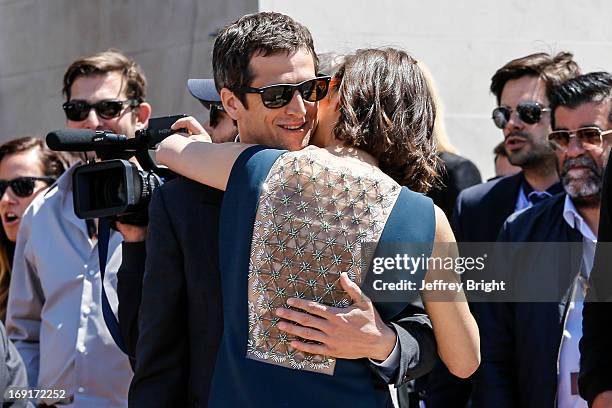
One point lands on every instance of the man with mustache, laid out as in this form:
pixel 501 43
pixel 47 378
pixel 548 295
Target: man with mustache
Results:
pixel 530 355
pixel 521 88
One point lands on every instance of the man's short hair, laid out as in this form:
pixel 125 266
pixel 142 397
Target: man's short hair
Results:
pixel 111 60
pixel 591 87
pixel 553 70
pixel 263 34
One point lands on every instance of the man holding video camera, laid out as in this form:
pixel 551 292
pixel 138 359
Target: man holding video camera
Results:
pixel 55 313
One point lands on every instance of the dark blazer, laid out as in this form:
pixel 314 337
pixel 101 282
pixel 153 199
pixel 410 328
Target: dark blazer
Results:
pixel 482 209
pixel 596 343
pixel 129 292
pixel 181 318
pixel 520 341
pixel 458 173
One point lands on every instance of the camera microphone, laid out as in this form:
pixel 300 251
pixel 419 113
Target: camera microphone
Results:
pixel 82 140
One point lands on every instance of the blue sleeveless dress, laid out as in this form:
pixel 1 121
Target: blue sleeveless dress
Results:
pixel 254 367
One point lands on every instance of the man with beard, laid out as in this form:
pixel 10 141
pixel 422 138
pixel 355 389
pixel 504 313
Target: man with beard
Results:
pixel 521 88
pixel 530 355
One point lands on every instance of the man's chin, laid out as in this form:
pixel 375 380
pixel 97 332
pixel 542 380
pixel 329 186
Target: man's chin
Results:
pixel 295 143
pixel 584 193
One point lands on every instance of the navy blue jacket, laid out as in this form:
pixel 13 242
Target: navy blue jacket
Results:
pixel 482 209
pixel 520 341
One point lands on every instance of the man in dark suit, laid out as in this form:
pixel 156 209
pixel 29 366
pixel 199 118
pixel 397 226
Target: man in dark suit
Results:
pixel 521 87
pixel 595 379
pixel 180 316
pixel 529 347
pixel 221 128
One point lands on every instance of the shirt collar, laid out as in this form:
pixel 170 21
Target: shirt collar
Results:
pixel 575 220
pixel 552 190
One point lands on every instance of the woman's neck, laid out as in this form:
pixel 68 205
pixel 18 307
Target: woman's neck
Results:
pixel 342 150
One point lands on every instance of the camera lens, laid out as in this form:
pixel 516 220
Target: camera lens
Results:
pixel 113 190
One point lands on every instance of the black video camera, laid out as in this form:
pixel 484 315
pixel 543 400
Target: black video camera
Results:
pixel 115 187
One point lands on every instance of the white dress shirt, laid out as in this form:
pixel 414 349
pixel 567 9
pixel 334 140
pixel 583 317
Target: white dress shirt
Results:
pixel 54 310
pixel 569 355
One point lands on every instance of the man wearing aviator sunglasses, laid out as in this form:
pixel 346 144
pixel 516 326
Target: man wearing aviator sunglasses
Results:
pixel 581 109
pixel 521 89
pixel 65 328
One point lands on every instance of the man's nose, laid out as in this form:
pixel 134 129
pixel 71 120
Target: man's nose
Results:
pixel 514 122
pixel 92 121
pixel 297 106
pixel 574 148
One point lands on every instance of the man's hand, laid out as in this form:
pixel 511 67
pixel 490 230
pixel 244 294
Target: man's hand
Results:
pixel 195 130
pixel 131 233
pixel 353 332
pixel 603 400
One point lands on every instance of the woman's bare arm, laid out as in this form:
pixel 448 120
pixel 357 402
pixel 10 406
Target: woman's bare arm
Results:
pixel 454 326
pixel 198 159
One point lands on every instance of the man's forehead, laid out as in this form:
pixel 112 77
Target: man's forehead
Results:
pixel 281 67
pixel 109 85
pixel 583 115
pixel 527 88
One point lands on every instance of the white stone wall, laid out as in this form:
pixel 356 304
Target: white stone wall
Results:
pixel 171 39
pixel 463 43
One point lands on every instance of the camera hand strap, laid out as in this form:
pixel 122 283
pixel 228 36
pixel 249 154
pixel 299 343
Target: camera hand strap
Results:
pixel 109 317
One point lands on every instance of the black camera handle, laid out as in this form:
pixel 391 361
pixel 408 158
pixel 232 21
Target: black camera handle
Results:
pixel 107 312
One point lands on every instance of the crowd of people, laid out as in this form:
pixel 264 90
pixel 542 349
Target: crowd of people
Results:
pixel 249 284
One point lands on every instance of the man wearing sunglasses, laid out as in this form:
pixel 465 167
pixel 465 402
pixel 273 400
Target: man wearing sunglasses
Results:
pixel 265 68
pixel 55 313
pixel 521 90
pixel 523 114
pixel 512 373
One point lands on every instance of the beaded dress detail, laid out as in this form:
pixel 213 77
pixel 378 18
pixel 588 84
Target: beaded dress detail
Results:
pixel 312 218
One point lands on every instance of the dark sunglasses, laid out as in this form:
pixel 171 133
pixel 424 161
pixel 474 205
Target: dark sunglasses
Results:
pixel 279 95
pixel 77 110
pixel 528 112
pixel 588 136
pixel 23 186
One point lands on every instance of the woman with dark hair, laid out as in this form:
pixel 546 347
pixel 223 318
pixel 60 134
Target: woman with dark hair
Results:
pixel 293 225
pixel 27 167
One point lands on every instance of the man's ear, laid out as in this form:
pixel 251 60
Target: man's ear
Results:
pixel 143 114
pixel 231 103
